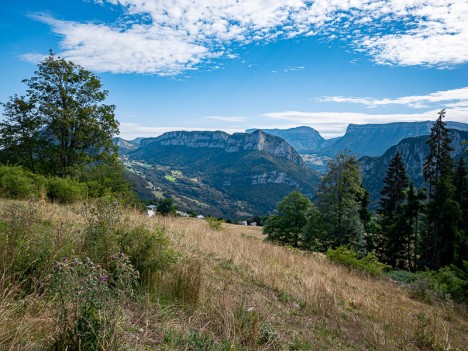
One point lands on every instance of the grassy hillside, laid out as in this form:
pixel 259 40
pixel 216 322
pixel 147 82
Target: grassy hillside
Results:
pixel 222 290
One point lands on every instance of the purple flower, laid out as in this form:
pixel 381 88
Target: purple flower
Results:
pixel 102 278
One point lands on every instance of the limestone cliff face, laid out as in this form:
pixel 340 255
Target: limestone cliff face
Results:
pixel 303 139
pixel 258 140
pixel 375 139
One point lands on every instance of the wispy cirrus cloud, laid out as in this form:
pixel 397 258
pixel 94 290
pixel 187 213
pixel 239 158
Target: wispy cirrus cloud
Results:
pixel 168 37
pixel 450 98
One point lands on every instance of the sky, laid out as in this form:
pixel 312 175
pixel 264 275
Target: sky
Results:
pixel 237 64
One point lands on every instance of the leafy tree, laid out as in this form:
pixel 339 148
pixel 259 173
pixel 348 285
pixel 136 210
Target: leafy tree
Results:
pixel 166 207
pixel 62 124
pixel 315 236
pixel 394 226
pixel 20 133
pixel 339 201
pixel 442 239
pixel 287 226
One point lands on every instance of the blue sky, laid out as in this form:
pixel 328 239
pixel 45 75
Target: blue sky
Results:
pixel 232 65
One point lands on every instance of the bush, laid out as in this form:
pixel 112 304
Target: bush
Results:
pixel 102 230
pixel 89 299
pixel 215 223
pixel 348 257
pixel 65 190
pixel 448 283
pixel 148 251
pixel 28 247
pixel 17 183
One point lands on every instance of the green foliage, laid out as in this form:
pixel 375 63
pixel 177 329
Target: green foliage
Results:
pixel 28 247
pixel 340 205
pixel 89 299
pixel 166 207
pixel 215 223
pixel 101 232
pixel 65 190
pixel 348 257
pixel 287 226
pixel 18 183
pixel 149 252
pixel 62 124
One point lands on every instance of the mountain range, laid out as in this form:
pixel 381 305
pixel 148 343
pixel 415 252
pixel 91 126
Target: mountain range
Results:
pixel 413 152
pixel 218 174
pixel 246 174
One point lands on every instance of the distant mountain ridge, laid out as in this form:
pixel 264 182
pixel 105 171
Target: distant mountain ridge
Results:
pixel 413 152
pixel 360 139
pixel 218 174
pixel 303 139
pixel 375 139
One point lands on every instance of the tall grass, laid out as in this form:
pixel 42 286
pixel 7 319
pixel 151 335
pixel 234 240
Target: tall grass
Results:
pixel 199 288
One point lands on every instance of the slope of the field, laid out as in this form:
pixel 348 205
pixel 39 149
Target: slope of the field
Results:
pixel 255 294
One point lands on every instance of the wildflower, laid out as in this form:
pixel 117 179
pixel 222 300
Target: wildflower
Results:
pixel 102 278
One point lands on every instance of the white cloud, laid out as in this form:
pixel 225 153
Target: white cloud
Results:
pixel 450 98
pixel 168 37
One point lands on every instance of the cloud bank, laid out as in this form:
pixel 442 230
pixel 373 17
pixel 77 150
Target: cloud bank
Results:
pixel 168 37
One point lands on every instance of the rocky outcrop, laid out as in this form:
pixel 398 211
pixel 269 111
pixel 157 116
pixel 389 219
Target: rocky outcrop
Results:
pixel 257 140
pixel 375 139
pixel 303 139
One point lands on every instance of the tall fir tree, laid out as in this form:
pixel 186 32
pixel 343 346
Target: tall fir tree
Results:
pixel 339 202
pixel 442 241
pixel 395 228
pixel 461 196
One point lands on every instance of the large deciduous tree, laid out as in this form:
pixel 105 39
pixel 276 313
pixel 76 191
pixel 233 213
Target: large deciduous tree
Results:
pixel 287 225
pixel 62 124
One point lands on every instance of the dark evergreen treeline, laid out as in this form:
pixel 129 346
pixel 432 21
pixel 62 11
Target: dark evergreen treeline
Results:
pixel 413 229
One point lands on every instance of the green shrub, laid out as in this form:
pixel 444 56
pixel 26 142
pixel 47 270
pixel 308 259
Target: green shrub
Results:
pixel 89 299
pixel 348 257
pixel 65 190
pixel 448 283
pixel 215 223
pixel 102 230
pixel 28 246
pixel 148 251
pixel 18 183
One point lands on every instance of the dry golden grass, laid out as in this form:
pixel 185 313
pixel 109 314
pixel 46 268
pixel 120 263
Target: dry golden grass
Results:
pixel 265 296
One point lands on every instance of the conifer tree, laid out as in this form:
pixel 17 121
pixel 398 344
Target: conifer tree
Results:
pixel 461 196
pixel 393 221
pixel 340 205
pixel 442 241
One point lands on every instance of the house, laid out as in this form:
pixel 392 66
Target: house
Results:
pixel 242 222
pixel 253 224
pixel 200 217
pixel 151 207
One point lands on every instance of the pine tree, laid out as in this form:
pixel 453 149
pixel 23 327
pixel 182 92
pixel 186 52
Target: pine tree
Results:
pixel 412 211
pixel 393 221
pixel 442 241
pixel 461 196
pixel 339 203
